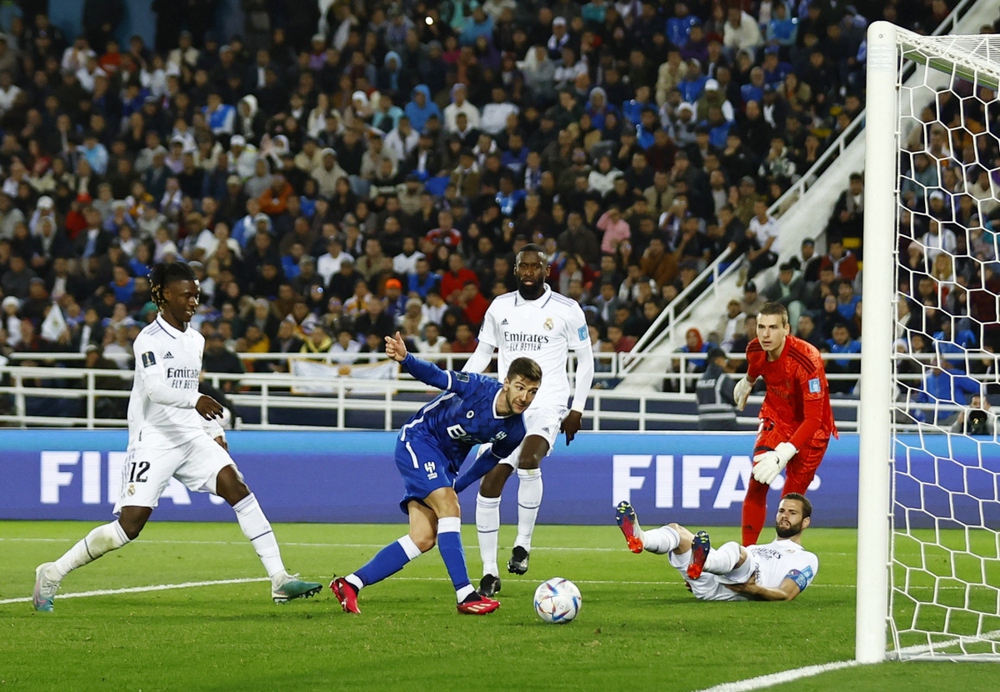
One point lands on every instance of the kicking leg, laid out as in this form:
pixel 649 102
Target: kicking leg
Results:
pixel 529 498
pixel 99 541
pixel 666 539
pixel 488 525
pixel 255 526
pixel 391 559
pixel 444 502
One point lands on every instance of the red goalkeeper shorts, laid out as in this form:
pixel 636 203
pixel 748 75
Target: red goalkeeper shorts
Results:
pixel 802 467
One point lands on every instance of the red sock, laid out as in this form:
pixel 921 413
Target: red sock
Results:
pixel 754 510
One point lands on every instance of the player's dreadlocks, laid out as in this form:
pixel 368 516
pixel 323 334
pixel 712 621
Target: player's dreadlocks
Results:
pixel 164 273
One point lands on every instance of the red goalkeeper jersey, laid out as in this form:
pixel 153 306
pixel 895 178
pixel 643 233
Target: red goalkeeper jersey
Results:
pixel 797 398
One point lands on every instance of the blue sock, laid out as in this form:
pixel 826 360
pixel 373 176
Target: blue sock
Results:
pixel 483 464
pixel 388 561
pixel 450 544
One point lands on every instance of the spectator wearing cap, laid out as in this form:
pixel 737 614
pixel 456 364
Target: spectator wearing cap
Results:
pixel 752 302
pixel 714 392
pixel 395 300
pixel 559 38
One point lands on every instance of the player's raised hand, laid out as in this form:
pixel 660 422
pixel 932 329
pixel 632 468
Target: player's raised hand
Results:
pixel 571 425
pixel 395 347
pixel 209 408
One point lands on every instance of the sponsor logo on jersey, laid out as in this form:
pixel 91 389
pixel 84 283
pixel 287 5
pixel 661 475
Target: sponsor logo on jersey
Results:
pixel 519 341
pixel 461 376
pixel 548 323
pixel 504 323
pixel 168 354
pixel 148 359
pixel 470 414
pixel 814 387
pixel 499 436
pixel 183 378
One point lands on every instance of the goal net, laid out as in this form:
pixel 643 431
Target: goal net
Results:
pixel 929 522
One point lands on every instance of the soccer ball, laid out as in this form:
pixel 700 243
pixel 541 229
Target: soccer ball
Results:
pixel 557 601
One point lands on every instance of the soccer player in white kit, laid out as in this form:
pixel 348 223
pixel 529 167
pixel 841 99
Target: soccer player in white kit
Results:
pixel 777 571
pixel 171 431
pixel 536 322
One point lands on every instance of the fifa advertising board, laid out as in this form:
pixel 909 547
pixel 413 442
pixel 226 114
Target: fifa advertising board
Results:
pixel 696 479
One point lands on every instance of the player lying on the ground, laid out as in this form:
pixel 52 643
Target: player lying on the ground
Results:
pixel 431 447
pixel 167 439
pixel 796 420
pixel 777 571
pixel 532 321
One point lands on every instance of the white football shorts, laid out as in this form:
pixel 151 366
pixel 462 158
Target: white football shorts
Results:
pixel 149 467
pixel 543 422
pixel 712 587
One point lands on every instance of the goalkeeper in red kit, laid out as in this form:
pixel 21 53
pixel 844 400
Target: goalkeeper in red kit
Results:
pixel 796 420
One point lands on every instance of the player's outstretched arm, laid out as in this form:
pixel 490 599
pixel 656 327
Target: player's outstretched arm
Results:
pixel 428 373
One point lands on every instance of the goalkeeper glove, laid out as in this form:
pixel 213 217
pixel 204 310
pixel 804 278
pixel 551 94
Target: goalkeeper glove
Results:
pixel 741 392
pixel 768 465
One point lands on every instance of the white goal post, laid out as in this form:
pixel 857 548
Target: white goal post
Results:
pixel 928 579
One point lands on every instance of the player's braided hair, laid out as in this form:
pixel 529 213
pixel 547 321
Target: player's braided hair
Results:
pixel 164 273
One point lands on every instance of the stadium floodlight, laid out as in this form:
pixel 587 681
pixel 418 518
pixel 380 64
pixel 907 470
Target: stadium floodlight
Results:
pixel 928 498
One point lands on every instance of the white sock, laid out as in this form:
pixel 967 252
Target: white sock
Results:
pixel 257 528
pixel 488 526
pixel 102 539
pixel 722 560
pixel 355 581
pixel 529 498
pixel 660 541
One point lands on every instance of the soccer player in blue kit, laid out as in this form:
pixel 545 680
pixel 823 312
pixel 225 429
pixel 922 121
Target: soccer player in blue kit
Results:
pixel 474 409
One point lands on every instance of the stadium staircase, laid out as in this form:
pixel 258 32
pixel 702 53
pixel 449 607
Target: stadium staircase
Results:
pixel 802 212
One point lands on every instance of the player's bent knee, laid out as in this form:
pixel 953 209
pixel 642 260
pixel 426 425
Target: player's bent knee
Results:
pixel 685 535
pixel 423 541
pixel 229 485
pixel 133 519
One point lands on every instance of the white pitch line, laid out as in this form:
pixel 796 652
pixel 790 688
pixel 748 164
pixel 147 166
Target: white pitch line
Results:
pixel 764 681
pixel 563 549
pixel 142 589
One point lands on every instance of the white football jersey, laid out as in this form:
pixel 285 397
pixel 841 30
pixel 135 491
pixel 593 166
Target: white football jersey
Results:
pixel 784 559
pixel 165 389
pixel 544 330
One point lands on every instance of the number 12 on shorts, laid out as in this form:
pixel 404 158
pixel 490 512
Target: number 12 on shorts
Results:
pixel 135 471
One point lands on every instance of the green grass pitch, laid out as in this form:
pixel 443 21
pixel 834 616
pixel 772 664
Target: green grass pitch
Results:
pixel 639 629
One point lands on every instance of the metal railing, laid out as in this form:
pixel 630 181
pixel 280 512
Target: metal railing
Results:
pixel 263 393
pixel 659 330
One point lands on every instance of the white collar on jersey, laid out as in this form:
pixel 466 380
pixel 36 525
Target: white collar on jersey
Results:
pixel 495 400
pixel 171 332
pixel 541 301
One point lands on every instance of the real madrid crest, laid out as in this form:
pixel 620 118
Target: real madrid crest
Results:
pixel 548 323
pixel 131 489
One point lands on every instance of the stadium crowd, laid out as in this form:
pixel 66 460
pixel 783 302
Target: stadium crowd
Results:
pixel 336 175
